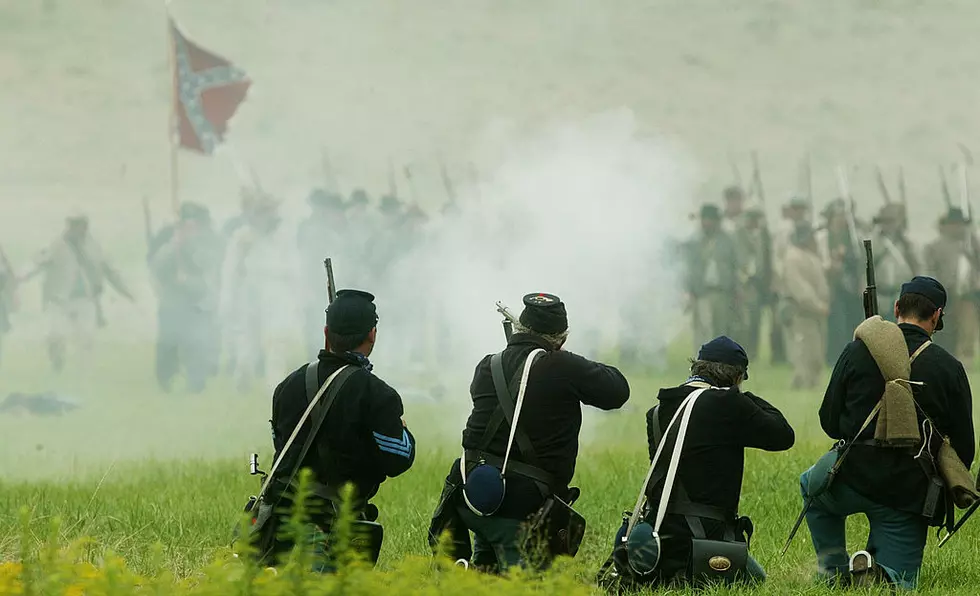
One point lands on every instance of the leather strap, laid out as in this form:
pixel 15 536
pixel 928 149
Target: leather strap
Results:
pixel 918 352
pixel 344 372
pixel 519 468
pixel 506 406
pixel 692 512
pixel 683 416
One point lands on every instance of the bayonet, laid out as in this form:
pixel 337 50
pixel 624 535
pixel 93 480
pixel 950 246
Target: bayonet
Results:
pixel 944 185
pixel 882 187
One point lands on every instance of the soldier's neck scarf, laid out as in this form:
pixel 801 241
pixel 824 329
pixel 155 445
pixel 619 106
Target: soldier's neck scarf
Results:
pixel 360 360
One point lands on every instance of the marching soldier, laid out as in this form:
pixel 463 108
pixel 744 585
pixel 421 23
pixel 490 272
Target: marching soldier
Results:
pixel 74 275
pixel 362 441
pixel 896 260
pixel 712 278
pixel 733 198
pixel 259 293
pixel 795 212
pixel 838 250
pixel 540 387
pixel 952 259
pixel 755 275
pixel 889 485
pixel 186 267
pixel 805 297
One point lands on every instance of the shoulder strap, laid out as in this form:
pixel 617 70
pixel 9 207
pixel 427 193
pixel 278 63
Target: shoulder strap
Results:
pixel 506 405
pixel 346 370
pixel 918 352
pixel 683 414
pixel 312 380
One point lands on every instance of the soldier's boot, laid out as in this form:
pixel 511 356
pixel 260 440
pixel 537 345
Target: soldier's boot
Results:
pixel 864 571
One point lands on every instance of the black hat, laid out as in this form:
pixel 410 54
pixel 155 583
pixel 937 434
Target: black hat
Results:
pixel 955 215
pixel 324 199
pixel 836 207
pixel 358 197
pixel 194 212
pixel 931 289
pixel 726 351
pixel 544 313
pixel 390 204
pixel 710 211
pixel 733 193
pixel 352 313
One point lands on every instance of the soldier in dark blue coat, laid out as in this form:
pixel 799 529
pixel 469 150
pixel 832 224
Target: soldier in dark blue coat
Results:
pixel 558 384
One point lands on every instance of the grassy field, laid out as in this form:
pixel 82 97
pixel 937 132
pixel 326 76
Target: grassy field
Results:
pixel 159 482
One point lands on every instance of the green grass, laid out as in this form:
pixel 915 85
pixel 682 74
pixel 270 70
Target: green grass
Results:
pixel 160 480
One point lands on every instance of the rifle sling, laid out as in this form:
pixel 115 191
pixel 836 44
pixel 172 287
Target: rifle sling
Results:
pixel 505 405
pixel 692 512
pixel 319 413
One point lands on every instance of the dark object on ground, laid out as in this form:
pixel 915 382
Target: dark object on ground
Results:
pixel 38 404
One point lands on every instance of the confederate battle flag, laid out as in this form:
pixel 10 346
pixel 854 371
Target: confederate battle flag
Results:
pixel 207 92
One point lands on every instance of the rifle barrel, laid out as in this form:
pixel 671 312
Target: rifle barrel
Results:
pixel 331 286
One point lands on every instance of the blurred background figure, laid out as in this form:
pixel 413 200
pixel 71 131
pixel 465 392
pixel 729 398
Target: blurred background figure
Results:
pixel 261 296
pixel 806 302
pixel 74 276
pixel 185 263
pixel 952 259
pixel 712 279
pixel 839 253
pixel 896 260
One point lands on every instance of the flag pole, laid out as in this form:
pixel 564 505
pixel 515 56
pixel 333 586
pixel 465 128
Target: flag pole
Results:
pixel 172 116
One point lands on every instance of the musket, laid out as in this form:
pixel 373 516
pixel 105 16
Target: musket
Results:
pixel 964 189
pixel 882 187
pixel 411 183
pixel 844 188
pixel 447 182
pixel 757 179
pixel 902 196
pixel 959 524
pixel 509 320
pixel 871 290
pixel 736 174
pixel 947 198
pixel 331 286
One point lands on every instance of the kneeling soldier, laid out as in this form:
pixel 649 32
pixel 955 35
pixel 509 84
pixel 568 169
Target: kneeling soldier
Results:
pixel 889 484
pixel 699 535
pixel 510 488
pixel 361 439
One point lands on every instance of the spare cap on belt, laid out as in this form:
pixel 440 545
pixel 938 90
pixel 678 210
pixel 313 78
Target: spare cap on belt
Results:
pixel 725 351
pixel 352 313
pixel 931 289
pixel 544 313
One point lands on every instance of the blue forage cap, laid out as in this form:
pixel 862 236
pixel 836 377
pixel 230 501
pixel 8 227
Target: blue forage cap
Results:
pixel 931 289
pixel 352 313
pixel 726 351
